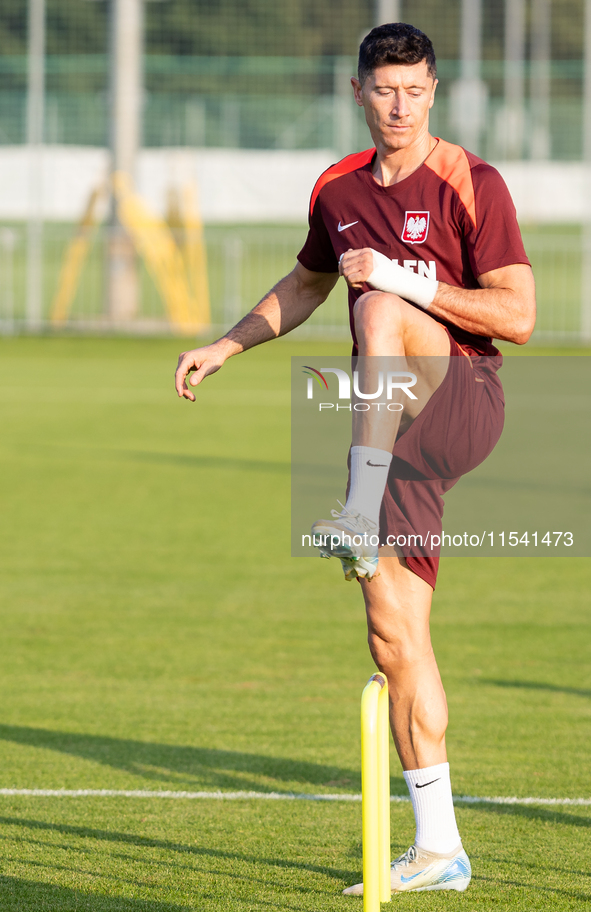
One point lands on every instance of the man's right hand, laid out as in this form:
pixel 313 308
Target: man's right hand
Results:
pixel 203 361
pixel 286 306
pixel 356 266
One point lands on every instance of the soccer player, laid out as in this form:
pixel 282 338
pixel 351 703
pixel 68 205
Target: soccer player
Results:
pixel 447 217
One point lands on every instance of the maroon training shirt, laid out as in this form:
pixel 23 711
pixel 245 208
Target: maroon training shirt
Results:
pixel 452 219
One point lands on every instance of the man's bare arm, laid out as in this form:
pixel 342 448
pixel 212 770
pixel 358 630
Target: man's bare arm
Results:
pixel 504 307
pixel 287 305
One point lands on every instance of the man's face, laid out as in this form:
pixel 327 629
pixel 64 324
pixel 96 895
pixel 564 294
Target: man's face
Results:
pixel 397 100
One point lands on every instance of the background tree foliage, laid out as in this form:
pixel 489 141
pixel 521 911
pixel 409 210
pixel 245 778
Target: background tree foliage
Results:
pixel 268 27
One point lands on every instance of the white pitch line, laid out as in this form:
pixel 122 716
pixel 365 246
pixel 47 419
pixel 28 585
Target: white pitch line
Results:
pixel 267 796
pixel 471 799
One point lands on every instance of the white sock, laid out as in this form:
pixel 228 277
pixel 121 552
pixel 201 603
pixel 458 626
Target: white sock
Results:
pixel 432 803
pixel 369 474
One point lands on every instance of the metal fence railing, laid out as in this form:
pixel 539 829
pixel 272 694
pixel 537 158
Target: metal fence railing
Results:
pixel 556 254
pixel 243 262
pixel 287 103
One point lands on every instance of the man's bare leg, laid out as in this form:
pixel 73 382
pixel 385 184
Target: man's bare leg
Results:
pixel 398 605
pixel 390 333
pixel 390 330
pixel 392 336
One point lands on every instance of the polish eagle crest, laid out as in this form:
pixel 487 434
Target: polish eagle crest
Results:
pixel 416 226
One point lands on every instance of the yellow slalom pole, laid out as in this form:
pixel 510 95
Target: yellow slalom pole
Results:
pixel 384 791
pixel 375 785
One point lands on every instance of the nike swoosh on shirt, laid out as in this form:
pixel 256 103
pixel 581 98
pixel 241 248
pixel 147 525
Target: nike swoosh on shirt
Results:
pixel 427 783
pixel 342 227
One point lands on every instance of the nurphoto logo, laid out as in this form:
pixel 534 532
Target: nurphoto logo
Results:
pixel 387 382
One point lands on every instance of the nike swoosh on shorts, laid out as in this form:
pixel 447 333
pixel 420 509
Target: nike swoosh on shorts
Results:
pixel 342 227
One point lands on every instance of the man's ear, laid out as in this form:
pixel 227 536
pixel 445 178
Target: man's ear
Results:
pixel 435 84
pixel 357 90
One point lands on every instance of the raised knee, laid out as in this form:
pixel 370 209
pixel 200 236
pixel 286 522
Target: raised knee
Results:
pixel 377 302
pixel 378 312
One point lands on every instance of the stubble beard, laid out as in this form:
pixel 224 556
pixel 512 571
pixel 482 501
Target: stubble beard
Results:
pixel 396 143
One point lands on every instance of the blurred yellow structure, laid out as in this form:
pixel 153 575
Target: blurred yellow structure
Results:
pixel 74 259
pixel 375 786
pixel 173 273
pixel 174 255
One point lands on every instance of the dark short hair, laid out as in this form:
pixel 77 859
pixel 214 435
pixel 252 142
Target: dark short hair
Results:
pixel 395 43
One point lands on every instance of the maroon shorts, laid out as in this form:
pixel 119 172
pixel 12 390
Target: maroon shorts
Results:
pixel 455 432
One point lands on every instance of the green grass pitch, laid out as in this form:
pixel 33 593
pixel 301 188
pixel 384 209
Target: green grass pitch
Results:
pixel 157 635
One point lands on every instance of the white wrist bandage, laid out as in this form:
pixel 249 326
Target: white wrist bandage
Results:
pixel 389 276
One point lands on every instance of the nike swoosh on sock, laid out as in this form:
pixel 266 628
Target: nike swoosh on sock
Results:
pixel 425 784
